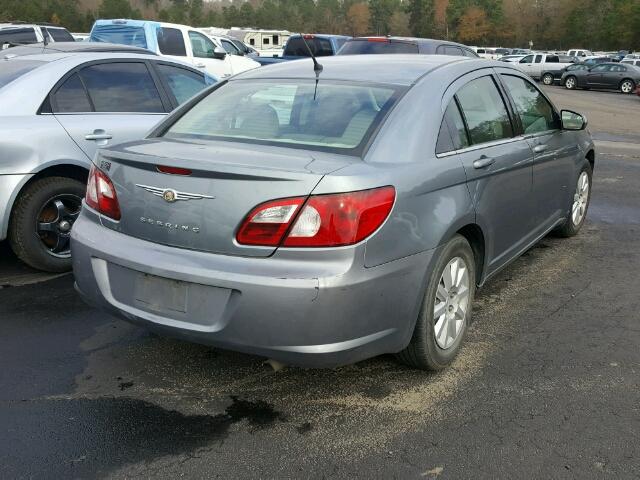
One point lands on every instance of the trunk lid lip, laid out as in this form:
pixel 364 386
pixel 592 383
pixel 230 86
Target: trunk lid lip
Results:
pixel 149 153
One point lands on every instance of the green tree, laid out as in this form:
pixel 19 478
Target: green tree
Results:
pixel 421 17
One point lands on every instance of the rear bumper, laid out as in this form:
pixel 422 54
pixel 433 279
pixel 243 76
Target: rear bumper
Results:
pixel 311 308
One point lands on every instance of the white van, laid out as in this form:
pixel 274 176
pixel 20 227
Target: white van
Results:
pixel 175 41
pixel 580 53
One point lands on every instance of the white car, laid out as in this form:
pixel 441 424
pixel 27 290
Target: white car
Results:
pixel 239 62
pixel 22 33
pixel 180 42
pixel 487 53
pixel 580 53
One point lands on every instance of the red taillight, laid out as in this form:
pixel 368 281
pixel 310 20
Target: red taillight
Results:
pixel 173 170
pixel 378 39
pixel 308 36
pixel 101 194
pixel 324 220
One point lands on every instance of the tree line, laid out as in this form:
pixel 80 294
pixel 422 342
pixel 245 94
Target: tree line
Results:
pixel 562 24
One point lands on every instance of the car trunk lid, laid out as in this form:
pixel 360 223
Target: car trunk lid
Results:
pixel 202 210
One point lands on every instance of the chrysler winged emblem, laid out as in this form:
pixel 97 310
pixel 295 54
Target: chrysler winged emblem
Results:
pixel 170 195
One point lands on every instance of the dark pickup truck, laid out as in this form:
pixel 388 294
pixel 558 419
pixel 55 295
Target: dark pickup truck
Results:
pixel 295 49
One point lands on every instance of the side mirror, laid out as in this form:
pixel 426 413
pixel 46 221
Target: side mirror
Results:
pixel 572 120
pixel 219 53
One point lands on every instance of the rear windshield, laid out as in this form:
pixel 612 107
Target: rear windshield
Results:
pixel 12 69
pixel 123 34
pixel 337 117
pixel 321 47
pixel 17 36
pixel 359 47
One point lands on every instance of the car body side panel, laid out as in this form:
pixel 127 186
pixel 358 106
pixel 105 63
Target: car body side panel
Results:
pixel 121 126
pixel 18 157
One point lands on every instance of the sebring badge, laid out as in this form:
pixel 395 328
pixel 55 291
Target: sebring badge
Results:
pixel 170 195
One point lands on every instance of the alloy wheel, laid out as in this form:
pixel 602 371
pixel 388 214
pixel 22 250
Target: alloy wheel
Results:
pixel 626 87
pixel 54 222
pixel 451 303
pixel 570 83
pixel 547 79
pixel 580 199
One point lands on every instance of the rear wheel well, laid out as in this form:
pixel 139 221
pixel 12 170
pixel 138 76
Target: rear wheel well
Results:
pixel 70 171
pixel 475 237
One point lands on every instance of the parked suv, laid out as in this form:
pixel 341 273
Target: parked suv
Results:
pixel 376 45
pixel 175 41
pixel 58 108
pixel 22 33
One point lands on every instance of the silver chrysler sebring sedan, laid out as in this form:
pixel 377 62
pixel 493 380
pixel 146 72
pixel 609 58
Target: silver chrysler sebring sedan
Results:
pixel 321 217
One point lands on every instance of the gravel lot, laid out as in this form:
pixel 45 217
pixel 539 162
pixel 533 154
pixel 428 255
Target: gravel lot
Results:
pixel 547 386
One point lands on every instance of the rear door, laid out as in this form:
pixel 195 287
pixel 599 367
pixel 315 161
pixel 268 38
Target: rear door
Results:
pixel 105 103
pixel 614 76
pixel 498 166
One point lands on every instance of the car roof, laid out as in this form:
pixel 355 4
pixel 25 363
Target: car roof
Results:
pixel 72 47
pixel 319 35
pixel 398 69
pixel 79 57
pixel 411 39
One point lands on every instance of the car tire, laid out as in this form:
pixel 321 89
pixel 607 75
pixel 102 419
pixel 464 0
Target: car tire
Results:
pixel 547 79
pixel 627 86
pixel 571 83
pixel 41 222
pixel 579 204
pixel 437 338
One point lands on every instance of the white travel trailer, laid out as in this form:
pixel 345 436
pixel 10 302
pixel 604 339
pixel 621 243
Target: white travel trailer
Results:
pixel 267 42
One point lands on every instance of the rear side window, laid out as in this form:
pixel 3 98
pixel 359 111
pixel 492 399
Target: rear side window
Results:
pixel 451 50
pixel 60 35
pixel 375 46
pixel 122 87
pixel 484 111
pixel 18 35
pixel 535 112
pixel 183 83
pixel 71 97
pixel 117 33
pixel 321 47
pixel 453 134
pixel 171 42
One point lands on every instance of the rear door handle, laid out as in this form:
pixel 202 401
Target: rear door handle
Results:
pixel 98 136
pixel 483 162
pixel 200 65
pixel 539 148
